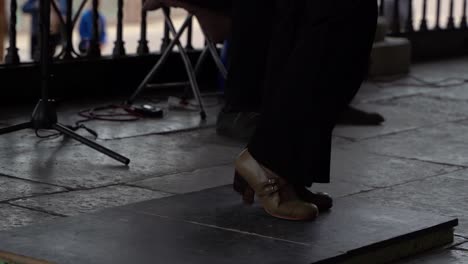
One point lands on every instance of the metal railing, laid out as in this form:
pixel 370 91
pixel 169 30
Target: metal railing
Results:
pixel 68 21
pixel 406 17
pixel 409 16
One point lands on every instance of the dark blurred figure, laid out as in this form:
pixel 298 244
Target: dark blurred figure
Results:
pixel 3 29
pixel 31 7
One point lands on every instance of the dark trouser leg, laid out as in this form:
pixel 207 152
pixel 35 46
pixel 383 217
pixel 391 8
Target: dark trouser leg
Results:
pixel 248 53
pixel 317 60
pixel 247 64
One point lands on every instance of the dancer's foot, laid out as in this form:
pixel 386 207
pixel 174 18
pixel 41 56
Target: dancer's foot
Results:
pixel 277 197
pixel 323 201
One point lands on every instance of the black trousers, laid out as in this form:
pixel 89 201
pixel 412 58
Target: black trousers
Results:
pixel 300 62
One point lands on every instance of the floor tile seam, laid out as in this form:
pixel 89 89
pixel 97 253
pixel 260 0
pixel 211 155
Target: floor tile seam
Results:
pixel 460 121
pixel 221 228
pixel 455 245
pixel 165 133
pixel 191 170
pixel 376 188
pixel 33 181
pixel 442 98
pixel 428 90
pixel 81 190
pixel 75 143
pixel 37 210
pixel 459 166
pixel 459 249
pixel 187 130
pixel 462 236
pixel 133 184
pixel 151 189
pixel 71 189
pixel 23 149
pixel 349 139
pixel 344 138
pixel 386 99
pixel 360 140
pixel 122 184
pixel 33 196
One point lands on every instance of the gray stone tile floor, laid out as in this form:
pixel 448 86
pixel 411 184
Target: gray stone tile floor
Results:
pixel 417 159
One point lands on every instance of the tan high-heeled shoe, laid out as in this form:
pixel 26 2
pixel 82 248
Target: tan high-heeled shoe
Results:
pixel 323 201
pixel 277 197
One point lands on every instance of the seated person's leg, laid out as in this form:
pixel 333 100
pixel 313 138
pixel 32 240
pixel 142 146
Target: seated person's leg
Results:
pixel 247 63
pixel 213 15
pixel 221 6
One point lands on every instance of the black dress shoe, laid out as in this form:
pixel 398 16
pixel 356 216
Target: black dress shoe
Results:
pixel 323 201
pixel 354 116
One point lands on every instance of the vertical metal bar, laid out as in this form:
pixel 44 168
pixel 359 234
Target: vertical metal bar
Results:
pixel 165 55
pixel 437 25
pixel 143 42
pixel 119 48
pixel 214 53
pixel 94 50
pixel 396 27
pixel 189 68
pixel 423 26
pixel 451 20
pixel 3 32
pixel 463 22
pixel 409 21
pixel 12 56
pixel 69 31
pixel 189 45
pixel 44 25
pixel 166 38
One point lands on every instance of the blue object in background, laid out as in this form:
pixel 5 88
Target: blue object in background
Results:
pixel 225 60
pixel 86 29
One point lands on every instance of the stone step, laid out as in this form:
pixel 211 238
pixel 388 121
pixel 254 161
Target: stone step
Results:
pixel 390 57
pixel 213 226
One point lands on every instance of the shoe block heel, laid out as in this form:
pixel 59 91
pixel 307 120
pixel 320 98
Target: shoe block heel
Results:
pixel 242 187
